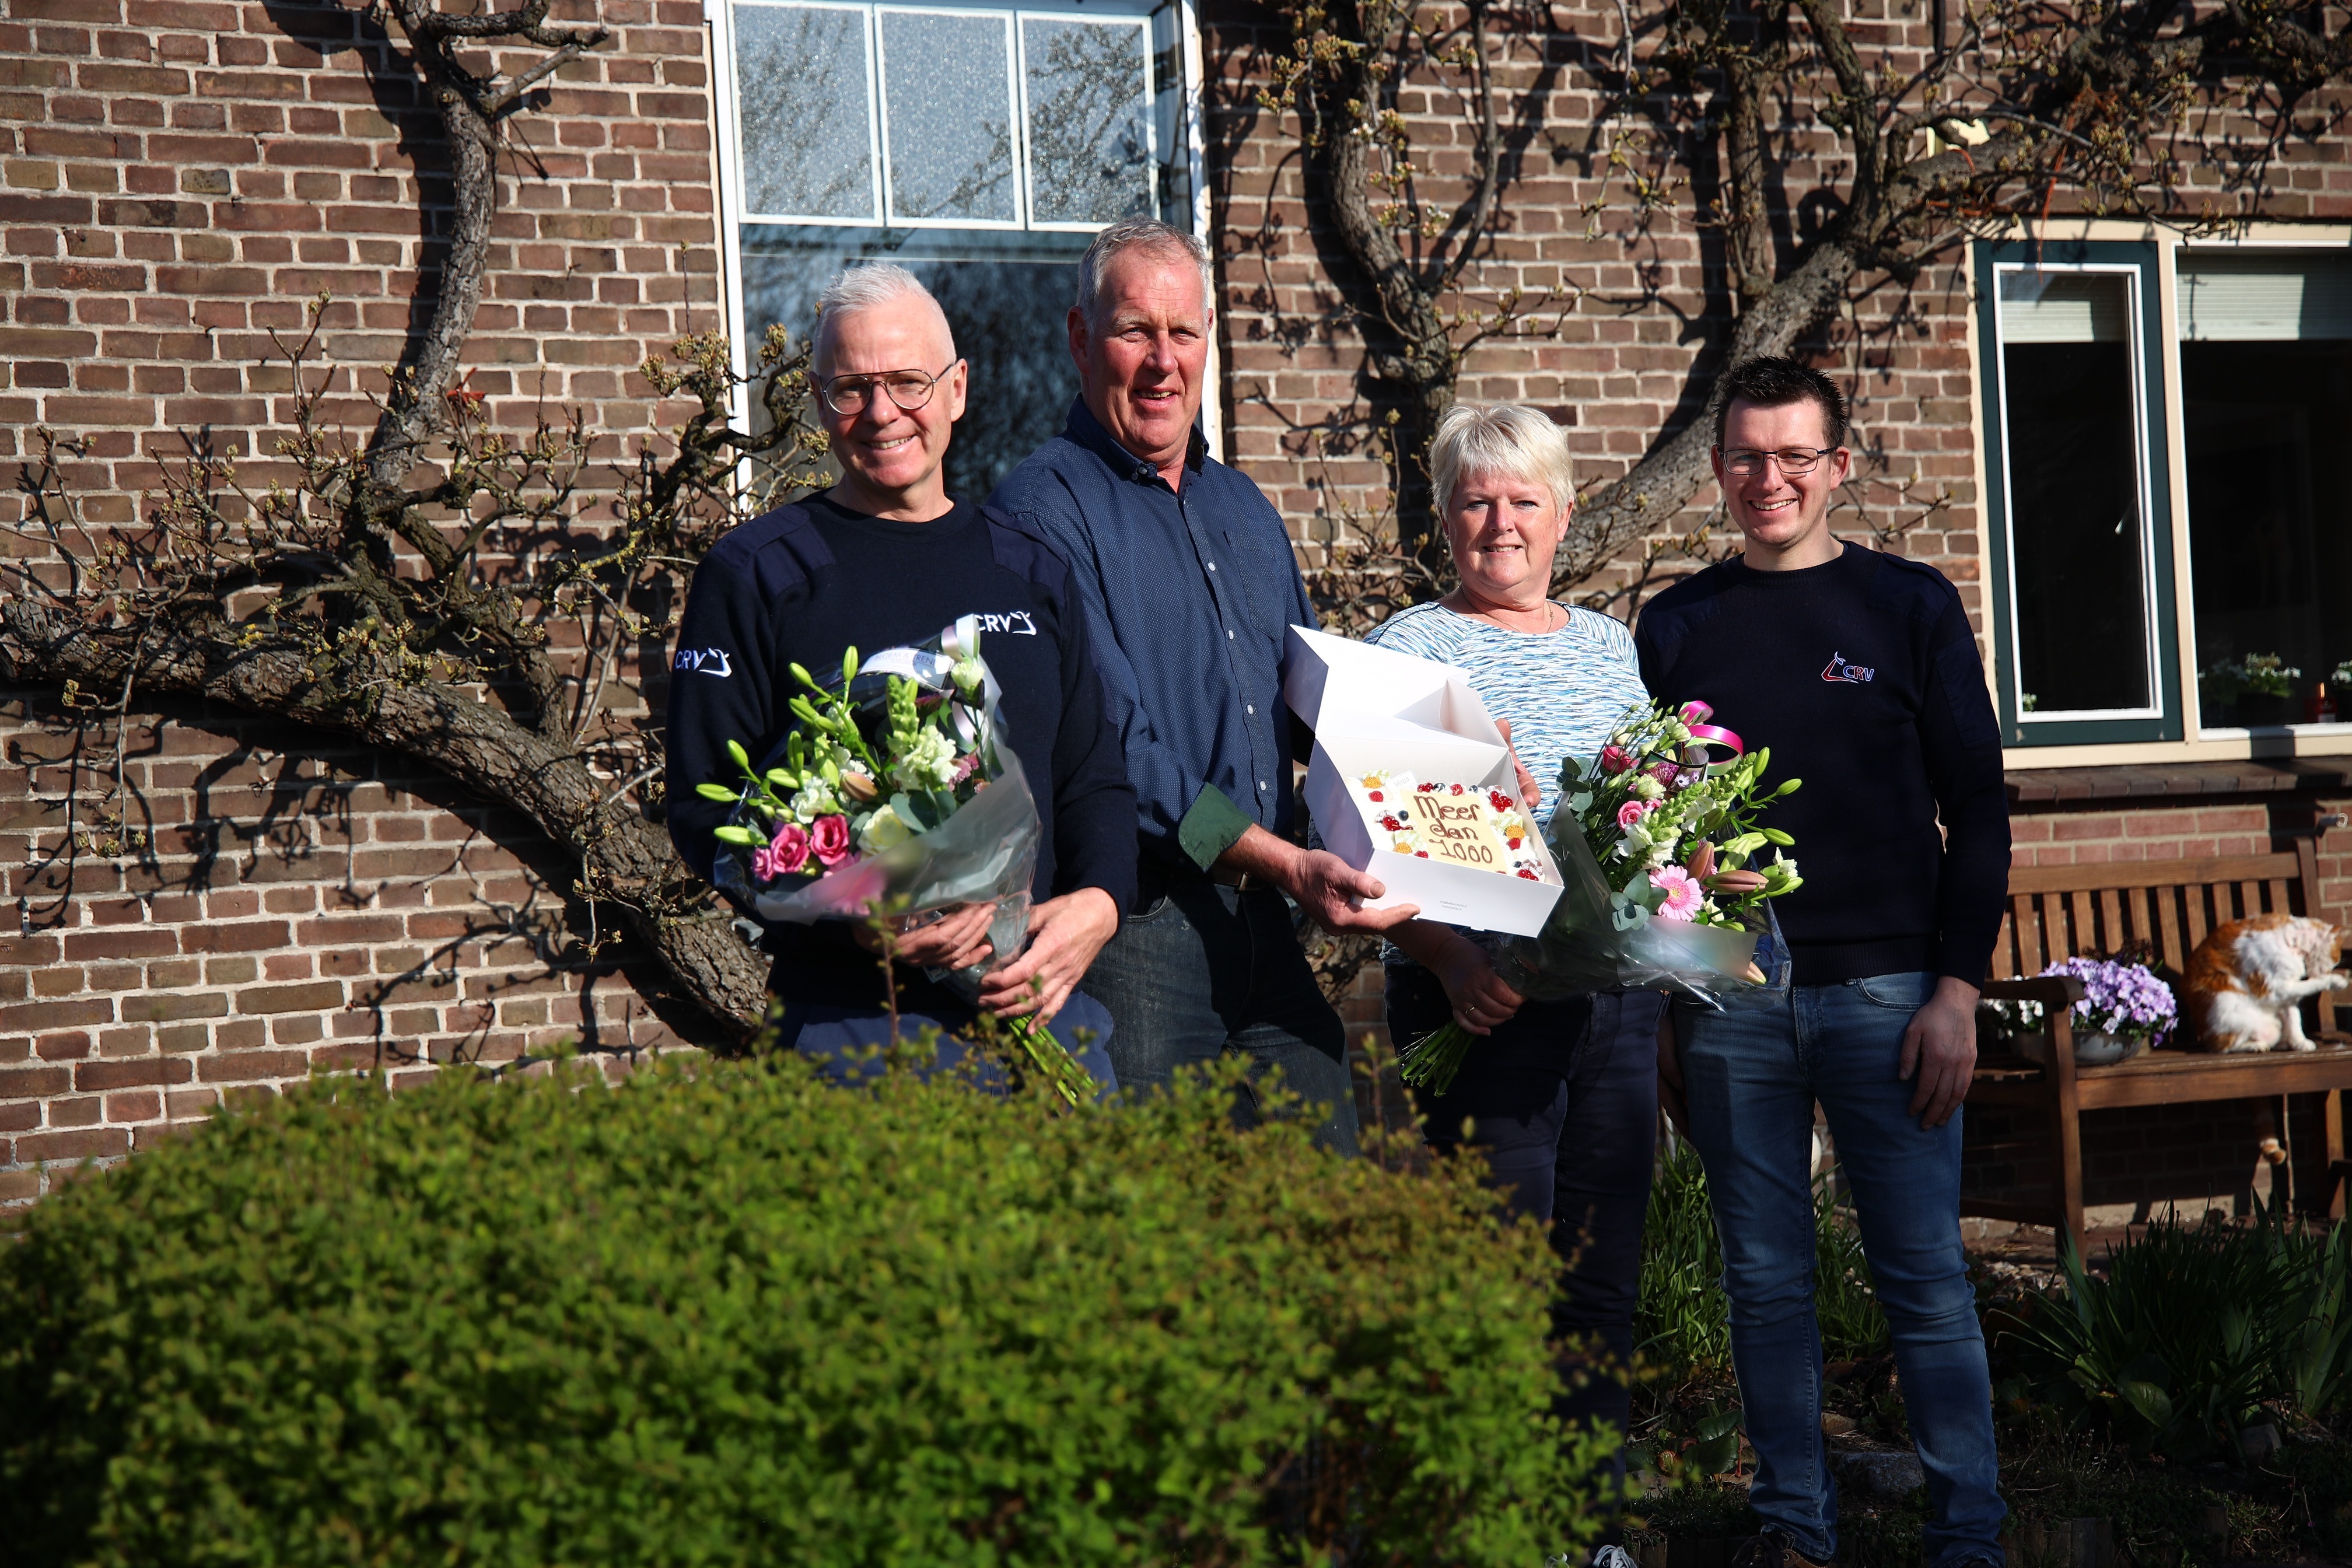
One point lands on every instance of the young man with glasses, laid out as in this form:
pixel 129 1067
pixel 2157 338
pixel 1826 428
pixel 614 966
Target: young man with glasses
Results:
pixel 888 557
pixel 1860 670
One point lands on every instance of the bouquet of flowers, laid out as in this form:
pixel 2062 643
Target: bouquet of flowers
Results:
pixel 1656 842
pixel 893 796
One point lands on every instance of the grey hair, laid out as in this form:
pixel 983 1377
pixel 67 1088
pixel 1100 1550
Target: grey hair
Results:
pixel 1146 234
pixel 869 284
pixel 1508 440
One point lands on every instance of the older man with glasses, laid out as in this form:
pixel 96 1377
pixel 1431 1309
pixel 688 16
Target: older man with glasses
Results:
pixel 888 557
pixel 1860 670
pixel 1191 585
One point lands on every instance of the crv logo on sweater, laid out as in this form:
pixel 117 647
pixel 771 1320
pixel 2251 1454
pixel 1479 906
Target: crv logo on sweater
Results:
pixel 1839 670
pixel 704 661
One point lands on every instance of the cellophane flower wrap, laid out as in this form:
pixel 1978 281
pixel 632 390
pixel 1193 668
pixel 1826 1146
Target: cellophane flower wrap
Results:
pixel 1658 850
pixel 894 794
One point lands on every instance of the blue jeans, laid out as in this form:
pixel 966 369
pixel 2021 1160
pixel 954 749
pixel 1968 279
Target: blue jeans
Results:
pixel 1202 969
pixel 847 1043
pixel 1563 1101
pixel 1752 1078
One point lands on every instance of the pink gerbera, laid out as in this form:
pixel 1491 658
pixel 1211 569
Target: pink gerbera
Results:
pixel 1684 894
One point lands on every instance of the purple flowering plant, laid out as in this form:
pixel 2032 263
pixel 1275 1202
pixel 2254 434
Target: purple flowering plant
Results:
pixel 2122 999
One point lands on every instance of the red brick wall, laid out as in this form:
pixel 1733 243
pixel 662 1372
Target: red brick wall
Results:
pixel 1621 377
pixel 177 179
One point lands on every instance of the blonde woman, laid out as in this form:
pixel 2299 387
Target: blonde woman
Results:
pixel 1560 1095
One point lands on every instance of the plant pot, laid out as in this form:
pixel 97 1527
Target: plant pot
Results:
pixel 2094 1049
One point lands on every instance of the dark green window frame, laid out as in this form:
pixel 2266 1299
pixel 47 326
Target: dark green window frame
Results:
pixel 2168 723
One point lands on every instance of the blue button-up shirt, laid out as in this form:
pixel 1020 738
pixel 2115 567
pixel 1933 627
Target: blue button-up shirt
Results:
pixel 1191 592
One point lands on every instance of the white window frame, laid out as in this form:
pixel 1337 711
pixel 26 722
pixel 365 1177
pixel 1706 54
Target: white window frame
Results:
pixel 2197 742
pixel 728 157
pixel 2143 478
pixel 1141 21
pixel 1018 130
pixel 731 112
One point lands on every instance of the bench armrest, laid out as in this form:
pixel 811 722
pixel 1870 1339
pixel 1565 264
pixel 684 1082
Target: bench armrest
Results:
pixel 2056 991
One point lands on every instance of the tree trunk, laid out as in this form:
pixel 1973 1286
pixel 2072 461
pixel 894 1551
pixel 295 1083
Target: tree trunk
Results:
pixel 623 859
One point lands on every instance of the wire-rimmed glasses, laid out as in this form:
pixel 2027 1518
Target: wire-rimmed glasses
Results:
pixel 1794 462
pixel 910 389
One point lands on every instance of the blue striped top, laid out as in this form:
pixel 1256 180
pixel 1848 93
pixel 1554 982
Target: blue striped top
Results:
pixel 1563 692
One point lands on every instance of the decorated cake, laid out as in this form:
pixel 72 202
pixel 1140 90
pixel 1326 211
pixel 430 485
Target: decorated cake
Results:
pixel 1460 824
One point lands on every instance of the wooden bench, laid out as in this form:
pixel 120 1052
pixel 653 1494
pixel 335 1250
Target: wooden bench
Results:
pixel 2060 911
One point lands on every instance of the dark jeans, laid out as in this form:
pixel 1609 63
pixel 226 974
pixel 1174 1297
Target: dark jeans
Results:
pixel 847 1043
pixel 1202 969
pixel 1752 1078
pixel 1564 1099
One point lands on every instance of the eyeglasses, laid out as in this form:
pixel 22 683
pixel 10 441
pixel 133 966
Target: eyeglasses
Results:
pixel 910 389
pixel 1795 462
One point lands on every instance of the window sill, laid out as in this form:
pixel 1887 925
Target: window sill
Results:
pixel 2281 747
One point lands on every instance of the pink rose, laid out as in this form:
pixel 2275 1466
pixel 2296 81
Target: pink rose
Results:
pixel 1615 758
pixel 789 849
pixel 829 839
pixel 1633 811
pixel 1684 894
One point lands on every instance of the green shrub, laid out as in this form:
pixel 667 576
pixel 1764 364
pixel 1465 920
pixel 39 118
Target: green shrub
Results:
pixel 739 1317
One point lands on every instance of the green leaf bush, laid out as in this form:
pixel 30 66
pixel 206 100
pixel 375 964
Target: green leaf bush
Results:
pixel 737 1316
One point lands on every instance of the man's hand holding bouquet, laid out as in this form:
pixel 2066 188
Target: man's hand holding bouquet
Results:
pixel 893 803
pixel 1658 844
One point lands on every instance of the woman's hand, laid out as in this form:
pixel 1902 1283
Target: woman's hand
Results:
pixel 1482 1002
pixel 958 940
pixel 1065 934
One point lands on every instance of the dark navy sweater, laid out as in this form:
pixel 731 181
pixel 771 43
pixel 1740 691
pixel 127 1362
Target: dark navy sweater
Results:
pixel 807 582
pixel 1864 678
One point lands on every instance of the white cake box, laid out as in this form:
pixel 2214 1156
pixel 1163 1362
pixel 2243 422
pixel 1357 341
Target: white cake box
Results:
pixel 1373 711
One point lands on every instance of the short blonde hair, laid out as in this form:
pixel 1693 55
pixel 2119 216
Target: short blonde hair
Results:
pixel 1507 440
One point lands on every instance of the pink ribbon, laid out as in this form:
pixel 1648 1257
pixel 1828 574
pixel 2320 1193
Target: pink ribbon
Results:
pixel 1696 714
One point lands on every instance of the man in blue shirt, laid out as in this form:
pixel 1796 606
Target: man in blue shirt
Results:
pixel 1191 587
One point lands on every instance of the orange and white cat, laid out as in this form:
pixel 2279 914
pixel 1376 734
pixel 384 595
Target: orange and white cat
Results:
pixel 2248 981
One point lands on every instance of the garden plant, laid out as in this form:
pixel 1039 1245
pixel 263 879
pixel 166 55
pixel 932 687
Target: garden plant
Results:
pixel 733 1314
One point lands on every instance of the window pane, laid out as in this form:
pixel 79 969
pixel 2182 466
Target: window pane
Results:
pixel 2264 297
pixel 947 88
pixel 1089 119
pixel 2076 533
pixel 2270 536
pixel 808 130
